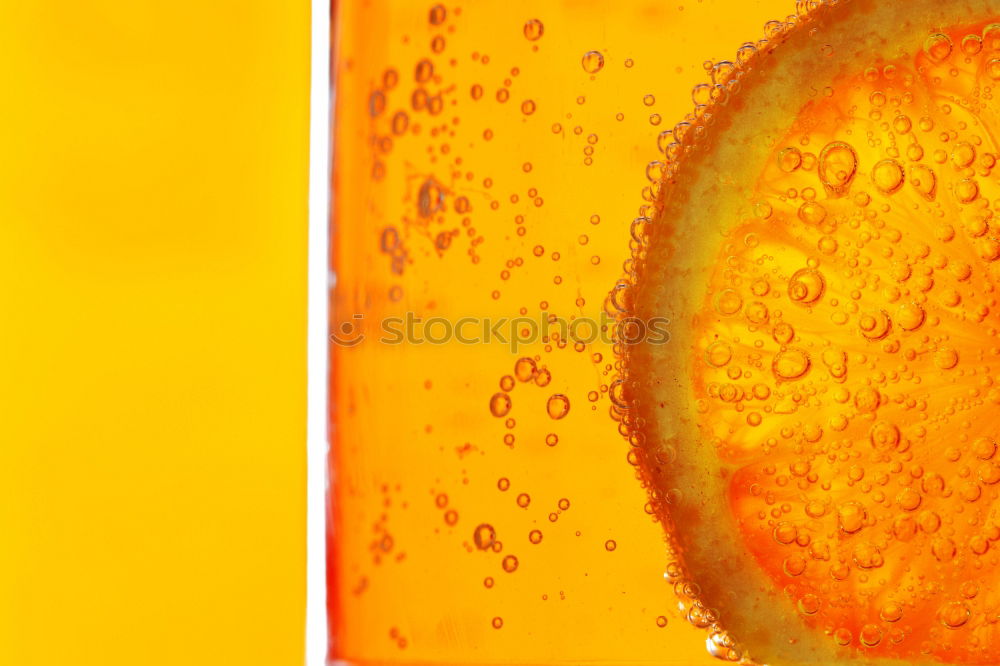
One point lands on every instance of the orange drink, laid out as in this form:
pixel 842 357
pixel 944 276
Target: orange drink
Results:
pixel 652 331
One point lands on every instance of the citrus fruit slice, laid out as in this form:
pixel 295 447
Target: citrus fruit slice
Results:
pixel 820 433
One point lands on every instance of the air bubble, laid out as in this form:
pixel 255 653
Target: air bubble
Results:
pixel 376 103
pixel 806 286
pixel 851 517
pixel 592 62
pixel 924 181
pixel 984 448
pixel 789 159
pixel 867 555
pixel 718 354
pixel 875 325
pixel 884 436
pixel 972 44
pixel 783 333
pixel 500 404
pixel 966 190
pixel 525 368
pixel 954 614
pixel 938 46
pixel 809 604
pixel 424 71
pixel 430 198
pixel 790 364
pixel 870 635
pixel 812 212
pixel 993 69
pixel 838 163
pixel 558 406
pixel 888 176
pixel 533 29
pixel 728 302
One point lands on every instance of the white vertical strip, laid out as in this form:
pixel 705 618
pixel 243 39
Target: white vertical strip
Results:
pixel 316 431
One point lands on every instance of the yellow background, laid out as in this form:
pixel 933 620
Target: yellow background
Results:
pixel 153 184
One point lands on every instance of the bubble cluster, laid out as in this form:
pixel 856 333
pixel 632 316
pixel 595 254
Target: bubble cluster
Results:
pixel 463 208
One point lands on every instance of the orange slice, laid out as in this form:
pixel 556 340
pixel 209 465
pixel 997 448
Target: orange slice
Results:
pixel 820 433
